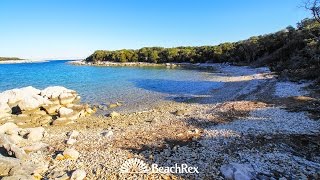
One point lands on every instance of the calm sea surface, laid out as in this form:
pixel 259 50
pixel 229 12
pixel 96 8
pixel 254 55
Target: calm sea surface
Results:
pixel 137 87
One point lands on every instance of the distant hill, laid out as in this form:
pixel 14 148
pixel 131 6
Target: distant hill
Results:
pixel 9 58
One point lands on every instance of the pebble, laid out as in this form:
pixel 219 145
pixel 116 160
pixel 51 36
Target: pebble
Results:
pixel 71 153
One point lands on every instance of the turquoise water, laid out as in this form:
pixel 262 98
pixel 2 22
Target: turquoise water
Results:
pixel 137 87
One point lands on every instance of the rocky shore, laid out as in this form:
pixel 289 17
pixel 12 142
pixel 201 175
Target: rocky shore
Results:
pixel 254 127
pixel 144 64
pixel 54 105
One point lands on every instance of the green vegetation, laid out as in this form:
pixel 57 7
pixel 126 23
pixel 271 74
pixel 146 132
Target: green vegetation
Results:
pixel 9 58
pixel 292 52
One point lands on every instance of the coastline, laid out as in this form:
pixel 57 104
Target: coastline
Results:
pixel 252 113
pixel 21 61
pixel 145 64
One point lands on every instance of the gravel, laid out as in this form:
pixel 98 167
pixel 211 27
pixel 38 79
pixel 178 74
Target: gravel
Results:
pixel 287 89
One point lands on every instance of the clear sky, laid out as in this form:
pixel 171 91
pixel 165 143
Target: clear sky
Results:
pixel 63 29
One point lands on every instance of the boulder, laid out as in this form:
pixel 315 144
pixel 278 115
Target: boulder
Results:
pixel 30 90
pixel 15 139
pixel 42 100
pixel 35 147
pixel 78 174
pixel 12 96
pixel 29 103
pixel 4 107
pixel 52 108
pixel 66 98
pixel 7 164
pixel 7 127
pixel 114 114
pixel 53 92
pixel 4 116
pixel 235 171
pixel 35 134
pixel 62 121
pixel 71 153
pixel 65 112
pixel 14 150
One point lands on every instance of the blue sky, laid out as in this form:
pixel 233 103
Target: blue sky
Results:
pixel 63 29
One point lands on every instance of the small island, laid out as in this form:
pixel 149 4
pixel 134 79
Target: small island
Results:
pixel 10 59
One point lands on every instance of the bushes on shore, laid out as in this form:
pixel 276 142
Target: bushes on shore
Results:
pixel 293 52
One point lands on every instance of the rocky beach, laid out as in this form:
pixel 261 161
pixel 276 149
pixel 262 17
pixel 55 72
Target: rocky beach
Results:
pixel 255 126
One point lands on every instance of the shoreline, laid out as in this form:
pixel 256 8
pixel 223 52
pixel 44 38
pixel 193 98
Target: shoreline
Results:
pixel 21 61
pixel 252 113
pixel 145 64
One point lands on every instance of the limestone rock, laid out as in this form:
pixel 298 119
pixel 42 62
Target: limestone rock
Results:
pixel 71 153
pixel 71 141
pixel 66 98
pixel 15 139
pixel 29 103
pixel 53 92
pixel 78 175
pixel 114 114
pixel 35 147
pixel 73 134
pixel 9 126
pixel 14 150
pixel 65 112
pixel 4 107
pixel 6 164
pixel 30 90
pixel 35 134
pixel 51 109
pixel 12 96
pixel 62 121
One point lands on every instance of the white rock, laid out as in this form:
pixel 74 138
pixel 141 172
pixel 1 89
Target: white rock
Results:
pixel 71 153
pixel 15 138
pixel 235 171
pixel 7 164
pixel 114 114
pixel 9 126
pixel 66 98
pixel 35 134
pixel 30 90
pixel 29 103
pixel 73 134
pixel 51 109
pixel 78 175
pixel 64 112
pixel 12 96
pixel 42 100
pixel 54 91
pixel 4 107
pixel 35 147
pixel 71 141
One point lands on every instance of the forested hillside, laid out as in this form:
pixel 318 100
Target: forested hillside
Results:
pixel 293 52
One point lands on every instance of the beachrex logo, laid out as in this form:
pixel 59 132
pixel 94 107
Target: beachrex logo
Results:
pixel 136 166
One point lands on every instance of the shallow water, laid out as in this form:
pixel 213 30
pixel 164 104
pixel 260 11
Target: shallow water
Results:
pixel 138 87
